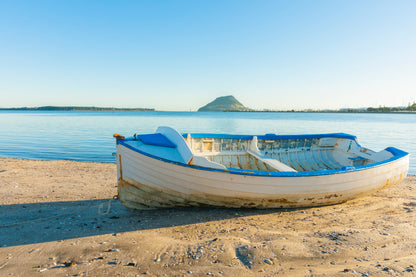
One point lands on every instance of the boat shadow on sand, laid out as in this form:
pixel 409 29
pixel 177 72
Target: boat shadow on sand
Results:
pixel 29 223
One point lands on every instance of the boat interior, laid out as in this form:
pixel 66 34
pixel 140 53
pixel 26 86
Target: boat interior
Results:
pixel 266 152
pixel 286 154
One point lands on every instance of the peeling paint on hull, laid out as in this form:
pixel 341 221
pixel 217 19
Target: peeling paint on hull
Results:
pixel 135 195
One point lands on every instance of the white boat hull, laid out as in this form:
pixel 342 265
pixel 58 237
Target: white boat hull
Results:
pixel 148 182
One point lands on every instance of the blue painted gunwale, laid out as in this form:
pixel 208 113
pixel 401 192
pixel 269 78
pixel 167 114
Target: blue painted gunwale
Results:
pixel 398 154
pixel 271 136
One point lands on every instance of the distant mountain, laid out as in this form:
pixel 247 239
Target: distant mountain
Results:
pixel 224 104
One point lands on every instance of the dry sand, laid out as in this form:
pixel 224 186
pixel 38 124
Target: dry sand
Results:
pixel 55 220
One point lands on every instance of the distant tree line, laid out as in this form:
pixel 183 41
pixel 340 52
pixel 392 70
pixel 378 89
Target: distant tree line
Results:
pixel 409 108
pixel 384 109
pixel 75 108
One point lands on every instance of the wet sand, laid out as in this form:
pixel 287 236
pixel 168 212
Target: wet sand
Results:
pixel 58 218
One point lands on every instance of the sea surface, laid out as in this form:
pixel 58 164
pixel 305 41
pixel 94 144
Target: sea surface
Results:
pixel 88 136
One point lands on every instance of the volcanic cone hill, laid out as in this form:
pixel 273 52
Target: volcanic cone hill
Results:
pixel 224 104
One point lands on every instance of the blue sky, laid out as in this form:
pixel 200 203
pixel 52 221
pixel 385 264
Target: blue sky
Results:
pixel 180 55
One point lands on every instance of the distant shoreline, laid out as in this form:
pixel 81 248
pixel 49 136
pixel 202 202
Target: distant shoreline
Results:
pixel 75 108
pixel 324 111
pixel 99 109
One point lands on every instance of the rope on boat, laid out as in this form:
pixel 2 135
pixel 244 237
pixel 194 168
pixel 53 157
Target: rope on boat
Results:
pixel 100 206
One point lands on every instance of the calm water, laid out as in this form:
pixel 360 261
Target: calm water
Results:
pixel 87 136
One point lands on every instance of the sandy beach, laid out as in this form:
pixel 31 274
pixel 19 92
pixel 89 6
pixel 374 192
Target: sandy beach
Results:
pixel 59 218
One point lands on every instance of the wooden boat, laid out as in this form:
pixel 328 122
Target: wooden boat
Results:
pixel 167 169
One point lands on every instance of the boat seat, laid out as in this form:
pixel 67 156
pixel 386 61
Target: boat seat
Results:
pixel 174 137
pixel 357 161
pixel 204 162
pixel 184 150
pixel 157 139
pixel 273 163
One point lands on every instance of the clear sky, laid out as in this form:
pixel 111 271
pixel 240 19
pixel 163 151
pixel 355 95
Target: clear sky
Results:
pixel 180 55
